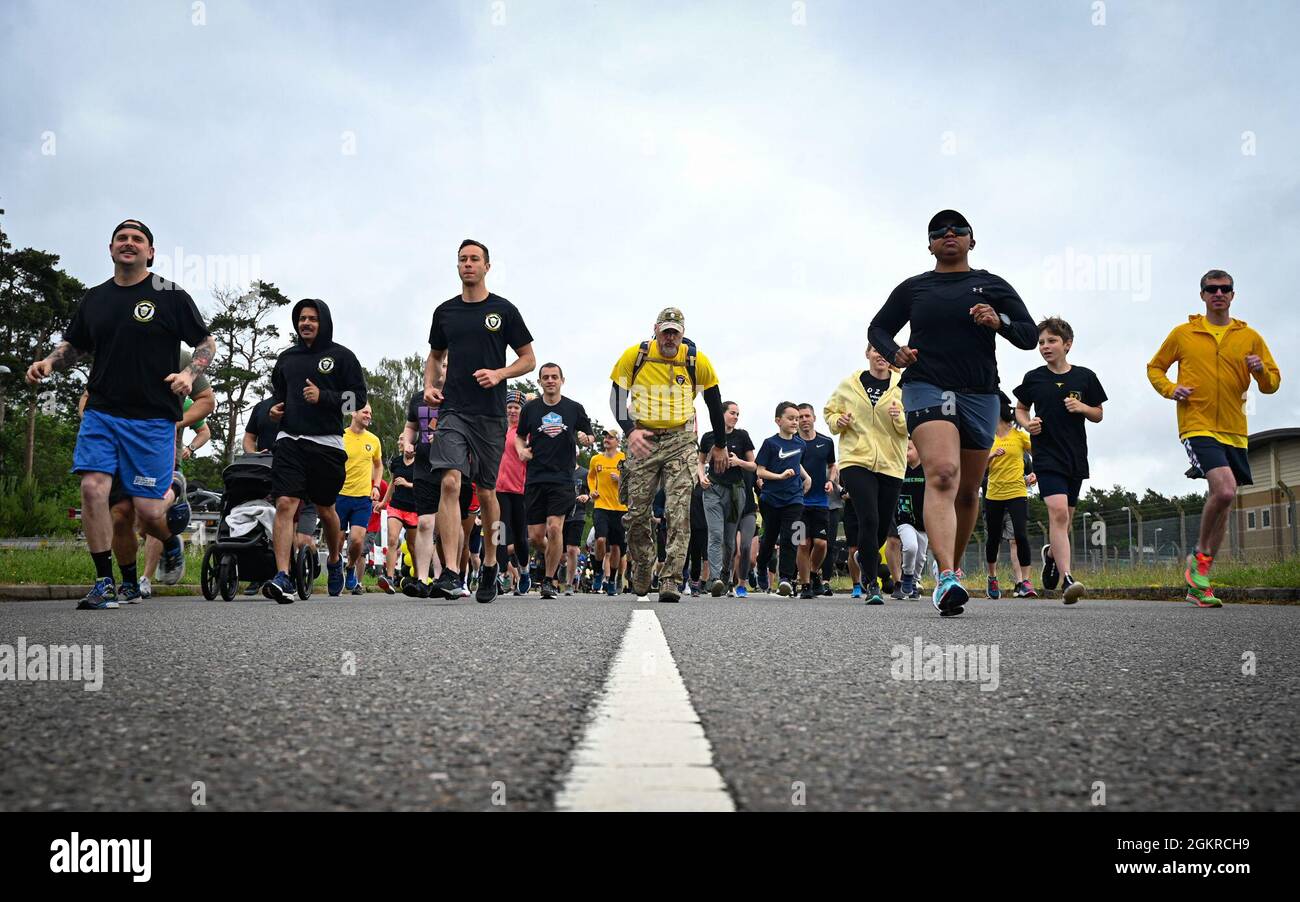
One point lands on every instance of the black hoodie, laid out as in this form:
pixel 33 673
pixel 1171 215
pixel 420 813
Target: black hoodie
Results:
pixel 331 367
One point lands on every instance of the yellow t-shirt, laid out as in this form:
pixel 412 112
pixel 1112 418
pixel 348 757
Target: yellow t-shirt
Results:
pixel 1007 471
pixel 363 450
pixel 662 396
pixel 600 480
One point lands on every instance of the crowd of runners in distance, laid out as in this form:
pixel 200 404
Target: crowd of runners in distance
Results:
pixel 485 493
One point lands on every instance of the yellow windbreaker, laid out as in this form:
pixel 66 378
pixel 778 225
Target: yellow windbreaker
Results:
pixel 1217 373
pixel 874 439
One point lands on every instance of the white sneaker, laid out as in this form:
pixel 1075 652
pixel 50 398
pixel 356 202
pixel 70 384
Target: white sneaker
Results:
pixel 146 588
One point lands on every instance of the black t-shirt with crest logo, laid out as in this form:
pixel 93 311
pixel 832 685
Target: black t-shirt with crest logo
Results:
pixel 135 333
pixel 476 335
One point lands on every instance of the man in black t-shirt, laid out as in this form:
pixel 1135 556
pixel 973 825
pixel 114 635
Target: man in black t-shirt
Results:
pixel 133 325
pixel 550 429
pixel 471 392
pixel 724 495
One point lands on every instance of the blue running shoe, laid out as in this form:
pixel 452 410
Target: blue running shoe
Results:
pixel 876 597
pixel 949 596
pixel 598 582
pixel 611 589
pixel 129 594
pixel 101 597
pixel 172 568
pixel 525 583
pixel 351 580
pixel 334 580
pixel 741 592
pixel 857 591
pixel 280 589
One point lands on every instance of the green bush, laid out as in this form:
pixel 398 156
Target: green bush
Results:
pixel 23 512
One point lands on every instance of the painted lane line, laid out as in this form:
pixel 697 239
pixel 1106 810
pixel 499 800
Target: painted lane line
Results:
pixel 645 749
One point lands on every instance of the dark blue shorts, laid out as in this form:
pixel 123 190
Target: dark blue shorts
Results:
pixel 353 511
pixel 1206 453
pixel 1051 482
pixel 974 415
pixel 141 453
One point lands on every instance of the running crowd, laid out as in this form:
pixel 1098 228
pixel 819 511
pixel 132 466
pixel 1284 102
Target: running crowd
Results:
pixel 486 493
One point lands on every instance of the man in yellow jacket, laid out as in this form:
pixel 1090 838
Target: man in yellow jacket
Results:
pixel 1217 357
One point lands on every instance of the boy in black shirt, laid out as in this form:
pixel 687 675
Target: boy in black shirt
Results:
pixel 1062 396
pixel 316 383
pixel 133 324
pixel 550 429
pixel 471 394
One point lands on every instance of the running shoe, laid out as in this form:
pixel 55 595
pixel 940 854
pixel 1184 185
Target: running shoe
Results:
pixel 668 592
pixel 827 590
pixel 386 584
pixel 462 591
pixel 172 567
pixel 1050 575
pixel 414 588
pixel 1025 589
pixel 695 589
pixel 334 578
pixel 994 590
pixel 569 588
pixel 1071 591
pixel 1197 574
pixel 281 589
pixel 908 588
pixel 857 591
pixel 253 588
pixel 352 581
pixel 358 589
pixel 784 588
pixel 741 592
pixel 873 594
pixel 548 588
pixel 598 582
pixel 129 593
pixel 898 594
pixel 950 596
pixel 654 584
pixel 806 592
pixel 717 588
pixel 101 597
pixel 487 584
pixel 447 585
pixel 960 574
pixel 1203 598
pixel 525 583
pixel 611 589
pixel 146 587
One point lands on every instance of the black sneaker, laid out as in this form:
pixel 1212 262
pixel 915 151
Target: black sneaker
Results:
pixel 548 588
pixel 447 585
pixel 415 588
pixel 827 590
pixel 807 591
pixel 487 584
pixel 1050 575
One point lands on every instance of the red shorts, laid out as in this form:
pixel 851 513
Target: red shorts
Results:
pixel 408 518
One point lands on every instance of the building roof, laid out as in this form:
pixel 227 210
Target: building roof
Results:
pixel 1268 436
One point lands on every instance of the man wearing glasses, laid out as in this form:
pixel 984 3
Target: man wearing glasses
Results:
pixel 1217 356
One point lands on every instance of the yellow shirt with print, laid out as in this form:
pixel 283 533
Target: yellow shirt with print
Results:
pixel 662 396
pixel 1007 470
pixel 363 450
pixel 600 481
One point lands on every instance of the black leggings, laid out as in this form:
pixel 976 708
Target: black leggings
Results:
pixel 697 550
pixel 514 517
pixel 832 540
pixel 1018 508
pixel 778 523
pixel 875 498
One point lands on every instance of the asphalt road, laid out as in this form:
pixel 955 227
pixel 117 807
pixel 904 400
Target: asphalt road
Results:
pixel 395 704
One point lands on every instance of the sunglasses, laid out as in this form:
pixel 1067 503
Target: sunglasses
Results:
pixel 959 231
pixel 1217 289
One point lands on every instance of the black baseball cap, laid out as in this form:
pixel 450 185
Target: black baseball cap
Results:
pixel 948 217
pixel 133 224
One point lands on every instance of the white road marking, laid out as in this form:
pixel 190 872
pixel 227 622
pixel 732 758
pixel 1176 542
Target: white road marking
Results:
pixel 645 749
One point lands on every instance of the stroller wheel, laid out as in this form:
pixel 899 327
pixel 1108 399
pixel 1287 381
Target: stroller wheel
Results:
pixel 302 572
pixel 208 575
pixel 228 577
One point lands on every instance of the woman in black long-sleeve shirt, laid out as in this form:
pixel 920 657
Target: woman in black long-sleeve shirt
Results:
pixel 950 383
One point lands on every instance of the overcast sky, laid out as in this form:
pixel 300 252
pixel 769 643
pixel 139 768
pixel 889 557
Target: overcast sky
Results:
pixel 767 166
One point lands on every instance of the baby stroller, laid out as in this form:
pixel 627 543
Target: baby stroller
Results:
pixel 243 548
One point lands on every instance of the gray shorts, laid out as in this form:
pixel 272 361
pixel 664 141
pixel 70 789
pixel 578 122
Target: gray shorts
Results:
pixel 974 415
pixel 471 444
pixel 307 519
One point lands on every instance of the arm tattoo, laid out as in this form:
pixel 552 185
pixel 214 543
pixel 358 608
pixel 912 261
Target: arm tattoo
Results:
pixel 64 356
pixel 203 355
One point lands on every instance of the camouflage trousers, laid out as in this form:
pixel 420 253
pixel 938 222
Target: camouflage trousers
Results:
pixel 672 465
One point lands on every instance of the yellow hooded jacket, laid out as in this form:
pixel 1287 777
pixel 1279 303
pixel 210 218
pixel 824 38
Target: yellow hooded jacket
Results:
pixel 873 439
pixel 1218 373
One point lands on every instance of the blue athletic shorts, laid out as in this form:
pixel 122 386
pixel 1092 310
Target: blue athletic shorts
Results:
pixel 353 511
pixel 1205 454
pixel 1051 482
pixel 974 415
pixel 141 453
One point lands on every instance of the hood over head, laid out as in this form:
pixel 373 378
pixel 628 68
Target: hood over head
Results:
pixel 325 334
